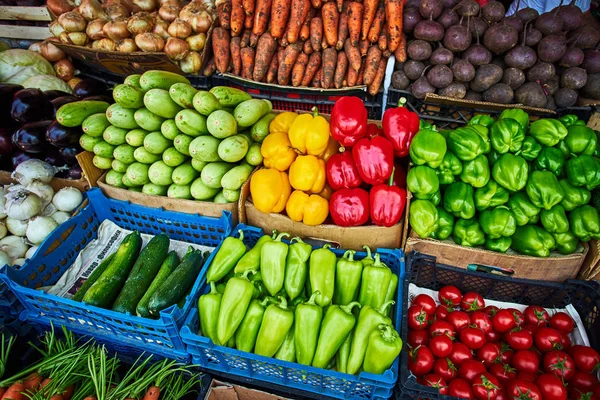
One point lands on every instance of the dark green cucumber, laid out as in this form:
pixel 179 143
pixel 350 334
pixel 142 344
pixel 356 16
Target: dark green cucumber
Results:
pixel 168 266
pixel 105 290
pixel 144 271
pixel 178 283
pixel 93 278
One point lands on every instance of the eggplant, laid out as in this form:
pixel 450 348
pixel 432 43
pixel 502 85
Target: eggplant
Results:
pixel 7 92
pixel 61 101
pixel 61 136
pixel 6 145
pixel 70 153
pixel 75 172
pixel 53 157
pixel 30 105
pixel 19 157
pixel 31 137
pixel 89 87
pixel 53 94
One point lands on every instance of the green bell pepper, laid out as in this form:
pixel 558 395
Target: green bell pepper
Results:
pixel 451 166
pixel 555 220
pixel 493 156
pixel 287 351
pixel 423 217
pixel 277 322
pixel 476 172
pixel 490 196
pixel 566 243
pixel 581 140
pixel 482 119
pixel 383 348
pixel 234 304
pixel 500 245
pixel 247 332
pixel 427 148
pixel 518 115
pixel 231 251
pixel 484 132
pixel 568 120
pixel 498 222
pixel 296 267
pixel 348 274
pixel 548 131
pixel 307 324
pixel 337 325
pixel 531 240
pixel 374 284
pixel 208 309
pixel 466 143
pixel 251 260
pixel 507 135
pixel 467 232
pixel 550 159
pixel 423 125
pixel 511 172
pixel 530 149
pixel 585 223
pixel 322 274
pixel 562 146
pixel 544 190
pixel 574 196
pixel 445 225
pixel 524 210
pixel 436 198
pixel 272 263
pixel 422 181
pixel 458 200
pixel 584 171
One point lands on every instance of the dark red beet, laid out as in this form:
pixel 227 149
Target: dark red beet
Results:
pixel 467 8
pixel 430 31
pixel 430 8
pixel 549 23
pixel 493 11
pixel 552 48
pixel 533 36
pixel 457 38
pixel 410 18
pixel 571 15
pixel 463 71
pixel 521 56
pixel 500 38
pixel 527 14
pixel 592 61
pixel 478 27
pixel 478 55
pixel 419 50
pixel 515 22
pixel 573 58
pixel 586 37
pixel 441 56
pixel 448 18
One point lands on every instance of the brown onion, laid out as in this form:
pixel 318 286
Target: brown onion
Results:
pixel 201 22
pixel 169 12
pixel 105 44
pixel 78 38
pixel 176 49
pixel 116 30
pixel 72 22
pixel 94 29
pixel 91 10
pixel 117 11
pixel 56 29
pixel 191 63
pixel 73 82
pixel 180 29
pixel 140 23
pixel 196 42
pixel 36 47
pixel 59 7
pixel 64 70
pixel 127 46
pixel 64 38
pixel 149 42
pixel 176 3
pixel 161 28
pixel 51 53
pixel 146 5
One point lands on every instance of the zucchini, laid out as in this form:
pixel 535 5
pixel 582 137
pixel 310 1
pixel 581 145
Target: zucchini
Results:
pixel 121 117
pixel 133 80
pixel 105 290
pixel 168 266
pixel 93 277
pixel 145 269
pixel 160 103
pixel 160 80
pixel 229 97
pixel 73 114
pixel 182 94
pixel 128 96
pixel 178 283
pixel 95 124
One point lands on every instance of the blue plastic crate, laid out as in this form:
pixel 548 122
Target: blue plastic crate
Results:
pixel 56 255
pixel 315 382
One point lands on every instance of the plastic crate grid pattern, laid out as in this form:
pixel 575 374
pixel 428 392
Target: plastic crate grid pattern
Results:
pixel 315 381
pixel 58 253
pixel 423 271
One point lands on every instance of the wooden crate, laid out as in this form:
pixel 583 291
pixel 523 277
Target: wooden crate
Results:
pixel 33 14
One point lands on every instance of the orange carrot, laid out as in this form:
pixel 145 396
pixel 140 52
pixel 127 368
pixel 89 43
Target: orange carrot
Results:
pixel 91 398
pixel 369 10
pixel 247 54
pixel 289 59
pixel 400 52
pixel 57 397
pixel 298 15
pixel 316 82
pixel 236 56
pixel 363 47
pixel 305 31
pixel 280 12
pixel 361 74
pixel 15 392
pixel 329 62
pixel 248 22
pixel 238 17
pixel 393 16
pixel 273 67
pixel 245 42
pixel 382 42
pixel 314 63
pixel 377 24
pixel 46 382
pixel 316 33
pixel 280 55
pixel 351 77
pixel 224 13
pixel 210 68
pixel 355 15
pixel 298 70
pixel 376 83
pixel 353 55
pixel 316 3
pixel 68 393
pixel 220 45
pixel 342 31
pixel 153 393
pixel 249 10
pixel 331 18
pixel 307 48
pixel 340 70
pixel 371 64
pixel 265 50
pixel 262 13
pixel 2 390
pixel 33 381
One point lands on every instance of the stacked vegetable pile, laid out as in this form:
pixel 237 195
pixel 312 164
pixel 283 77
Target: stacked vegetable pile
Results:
pixel 307 43
pixel 142 283
pixel 507 184
pixel 30 211
pixel 536 60
pixel 469 350
pixel 303 152
pixel 271 300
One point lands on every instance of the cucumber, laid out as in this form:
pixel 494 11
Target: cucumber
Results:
pixel 160 79
pixel 172 157
pixel 260 130
pixel 184 174
pixel 231 195
pixel 205 148
pixel 200 191
pixel 167 267
pixel 229 97
pixel 114 178
pixel 191 123
pixel 128 96
pixel 254 156
pixel 198 165
pixel 93 277
pixel 143 156
pixel 88 142
pixel 179 192
pixel 115 136
pixel 136 189
pixel 73 114
pixel 159 102
pixel 213 173
pixel 119 166
pixel 125 154
pixel 206 102
pixel 137 174
pixel 233 148
pixel 220 199
pixel 169 129
pixel 121 117
pixel 102 162
pixel 221 124
pixel 160 173
pixel 182 94
pixel 133 80
pixel 236 176
pixel 156 143
pixel 250 111
pixel 182 143
pixel 130 184
pixel 143 272
pixel 177 284
pixel 136 137
pixel 148 120
pixel 95 124
pixel 154 190
pixel 105 290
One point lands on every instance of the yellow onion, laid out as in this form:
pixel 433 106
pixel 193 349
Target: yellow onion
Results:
pixel 169 12
pixel 64 70
pixel 64 38
pixel 149 42
pixel 191 63
pixel 91 10
pixel 105 44
pixel 59 7
pixel 73 82
pixel 176 3
pixel 50 52
pixel 140 23
pixel 201 22
pixel 94 29
pixel 196 42
pixel 116 30
pixel 36 47
pixel 180 29
pixel 56 29
pixel 146 5
pixel 78 38
pixel 161 28
pixel 72 22
pixel 127 46
pixel 176 49
pixel 117 11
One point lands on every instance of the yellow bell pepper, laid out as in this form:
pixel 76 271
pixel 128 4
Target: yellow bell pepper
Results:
pixel 312 210
pixel 326 192
pixel 307 173
pixel 270 190
pixel 277 151
pixel 282 122
pixel 309 134
pixel 333 147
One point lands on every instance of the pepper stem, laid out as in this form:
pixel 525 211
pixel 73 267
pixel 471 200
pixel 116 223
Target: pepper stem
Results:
pixel 368 250
pixel 266 301
pixel 313 296
pixel 296 239
pixel 387 333
pixel 241 232
pixel 315 111
pixel 348 308
pixel 386 305
pixel 327 246
pixel 377 260
pixel 213 288
pixel 349 255
pixel 402 102
pixel 245 273
pixel 391 180
pixel 282 302
pixel 281 236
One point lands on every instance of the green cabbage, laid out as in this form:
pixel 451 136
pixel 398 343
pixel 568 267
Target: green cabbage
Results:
pixel 47 82
pixel 16 66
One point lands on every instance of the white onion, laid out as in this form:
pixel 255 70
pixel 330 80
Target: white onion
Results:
pixel 23 205
pixel 13 246
pixel 16 227
pixel 2 207
pixel 67 199
pixel 48 211
pixel 39 228
pixel 3 230
pixel 4 258
pixel 19 262
pixel 44 191
pixel 60 216
pixel 33 170
pixel 31 252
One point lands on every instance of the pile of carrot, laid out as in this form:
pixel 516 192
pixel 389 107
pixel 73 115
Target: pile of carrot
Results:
pixel 311 43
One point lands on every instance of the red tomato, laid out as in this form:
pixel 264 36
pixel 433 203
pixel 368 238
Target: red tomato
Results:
pixel 445 368
pixel 472 301
pixel 417 318
pixel 493 336
pixel 460 388
pixel 420 360
pixel 436 381
pixel 586 358
pixel 440 346
pixel 551 387
pixel 576 394
pixel 582 381
pixel 482 321
pixel 526 360
pixel 450 296
pixel 417 338
pixel 425 302
pixel 491 310
pixel 596 390
pixel 560 364
pixel 518 315
pixel 441 312
pixel 489 354
pixel 503 372
pixel 442 328
pixel 547 339
pixel 460 353
pixel 470 369
pixel 530 328
pixel 474 338
pixel 562 322
pixel 523 390
pixel 536 315
pixel 486 386
pixel 528 376
pixel 503 321
pixel 565 340
pixel 459 320
pixel 507 354
pixel 519 339
pixel 502 395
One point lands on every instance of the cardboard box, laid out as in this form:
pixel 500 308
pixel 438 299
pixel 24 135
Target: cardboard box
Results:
pixel 227 391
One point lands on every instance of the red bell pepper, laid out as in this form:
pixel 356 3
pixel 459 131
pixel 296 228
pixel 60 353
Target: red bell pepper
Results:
pixel 348 122
pixel 374 159
pixel 349 207
pixel 400 126
pixel 342 172
pixel 387 203
pixel 373 130
pixel 400 176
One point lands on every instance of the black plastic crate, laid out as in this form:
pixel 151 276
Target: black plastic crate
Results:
pixel 423 271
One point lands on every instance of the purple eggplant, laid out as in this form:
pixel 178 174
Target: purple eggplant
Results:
pixel 75 172
pixel 53 94
pixel 89 87
pixel 19 157
pixel 70 154
pixel 61 136
pixel 7 92
pixel 53 157
pixel 30 105
pixel 6 146
pixel 61 101
pixel 31 138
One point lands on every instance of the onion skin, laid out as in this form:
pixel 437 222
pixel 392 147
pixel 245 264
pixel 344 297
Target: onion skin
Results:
pixel 191 63
pixel 91 10
pixel 201 22
pixel 140 23
pixel 56 29
pixel 169 12
pixel 36 47
pixel 59 7
pixel 161 29
pixel 50 52
pixel 146 5
pixel 180 29
pixel 116 30
pixel 105 44
pixel 196 42
pixel 94 29
pixel 78 38
pixel 149 42
pixel 176 49
pixel 117 11
pixel 64 70
pixel 72 22
pixel 127 46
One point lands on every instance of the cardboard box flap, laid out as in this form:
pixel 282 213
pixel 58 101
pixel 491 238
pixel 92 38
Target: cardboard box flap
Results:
pixel 436 99
pixel 291 89
pixel 227 391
